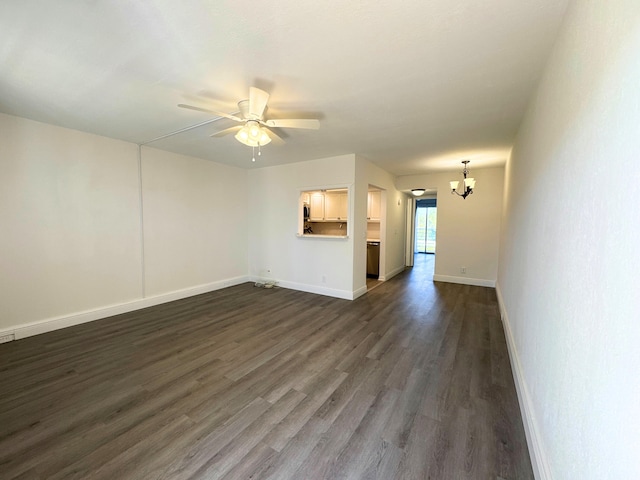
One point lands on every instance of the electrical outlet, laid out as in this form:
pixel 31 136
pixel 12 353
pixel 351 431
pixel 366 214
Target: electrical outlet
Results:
pixel 463 269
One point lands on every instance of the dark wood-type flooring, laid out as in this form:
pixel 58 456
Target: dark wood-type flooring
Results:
pixel 410 381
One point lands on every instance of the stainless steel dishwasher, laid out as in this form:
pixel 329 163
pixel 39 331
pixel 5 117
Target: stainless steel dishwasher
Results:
pixel 373 259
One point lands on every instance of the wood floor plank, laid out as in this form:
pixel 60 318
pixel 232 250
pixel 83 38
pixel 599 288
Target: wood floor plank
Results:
pixel 235 451
pixel 366 448
pixel 411 380
pixel 321 459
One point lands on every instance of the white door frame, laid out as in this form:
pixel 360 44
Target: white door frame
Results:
pixel 411 231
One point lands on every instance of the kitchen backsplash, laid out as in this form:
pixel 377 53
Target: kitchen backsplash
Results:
pixel 373 231
pixel 328 228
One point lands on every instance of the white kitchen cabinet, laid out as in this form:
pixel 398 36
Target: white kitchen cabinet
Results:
pixel 336 206
pixel 316 204
pixel 374 205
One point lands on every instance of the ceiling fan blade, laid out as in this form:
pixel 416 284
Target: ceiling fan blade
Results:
pixel 226 131
pixel 276 139
pixel 219 114
pixel 310 123
pixel 257 102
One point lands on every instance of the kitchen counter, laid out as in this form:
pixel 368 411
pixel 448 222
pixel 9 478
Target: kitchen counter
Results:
pixel 319 235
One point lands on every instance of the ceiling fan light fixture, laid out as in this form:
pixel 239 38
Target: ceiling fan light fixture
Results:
pixel 264 138
pixel 418 191
pixel 253 130
pixel 253 135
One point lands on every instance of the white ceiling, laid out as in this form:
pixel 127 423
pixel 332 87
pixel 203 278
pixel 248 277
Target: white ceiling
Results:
pixel 414 86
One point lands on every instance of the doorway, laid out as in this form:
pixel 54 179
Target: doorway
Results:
pixel 425 226
pixel 376 225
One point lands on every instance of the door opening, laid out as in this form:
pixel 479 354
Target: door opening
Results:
pixel 425 226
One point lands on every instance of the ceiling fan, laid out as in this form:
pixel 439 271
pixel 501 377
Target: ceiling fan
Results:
pixel 255 129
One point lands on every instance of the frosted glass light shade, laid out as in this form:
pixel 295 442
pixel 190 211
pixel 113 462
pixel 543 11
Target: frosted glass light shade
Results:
pixel 253 135
pixel 418 191
pixel 454 185
pixel 469 182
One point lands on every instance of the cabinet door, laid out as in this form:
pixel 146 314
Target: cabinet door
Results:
pixel 317 207
pixel 343 210
pixel 332 206
pixel 373 206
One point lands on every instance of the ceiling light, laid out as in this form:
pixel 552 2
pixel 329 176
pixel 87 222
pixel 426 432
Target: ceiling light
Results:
pixel 468 184
pixel 418 191
pixel 253 135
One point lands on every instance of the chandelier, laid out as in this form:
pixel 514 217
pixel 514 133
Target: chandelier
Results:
pixel 468 184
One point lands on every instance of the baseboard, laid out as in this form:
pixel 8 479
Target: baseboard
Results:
pixel 539 460
pixel 478 282
pixel 391 274
pixel 303 287
pixel 56 323
pixel 359 292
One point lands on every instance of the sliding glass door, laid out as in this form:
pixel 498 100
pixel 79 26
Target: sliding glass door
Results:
pixel 426 218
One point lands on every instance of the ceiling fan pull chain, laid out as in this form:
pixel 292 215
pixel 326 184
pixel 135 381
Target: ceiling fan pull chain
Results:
pixel 254 154
pixel 259 151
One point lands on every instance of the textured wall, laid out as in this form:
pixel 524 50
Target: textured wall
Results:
pixel 569 258
pixel 70 222
pixel 195 221
pixel 71 243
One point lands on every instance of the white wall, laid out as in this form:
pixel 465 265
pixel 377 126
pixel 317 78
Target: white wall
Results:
pixel 195 221
pixel 69 211
pixel 93 227
pixel 71 243
pixel 468 231
pixel 319 265
pixel 569 257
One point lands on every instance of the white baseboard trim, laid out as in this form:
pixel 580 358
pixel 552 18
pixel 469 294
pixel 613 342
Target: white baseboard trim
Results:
pixel 477 282
pixel 539 459
pixel 392 273
pixel 359 292
pixel 56 323
pixel 303 287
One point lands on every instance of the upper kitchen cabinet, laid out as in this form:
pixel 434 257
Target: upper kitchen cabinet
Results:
pixel 316 206
pixel 373 205
pixel 328 205
pixel 336 205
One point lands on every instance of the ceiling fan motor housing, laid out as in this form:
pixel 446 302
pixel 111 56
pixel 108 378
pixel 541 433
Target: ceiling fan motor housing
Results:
pixel 243 106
